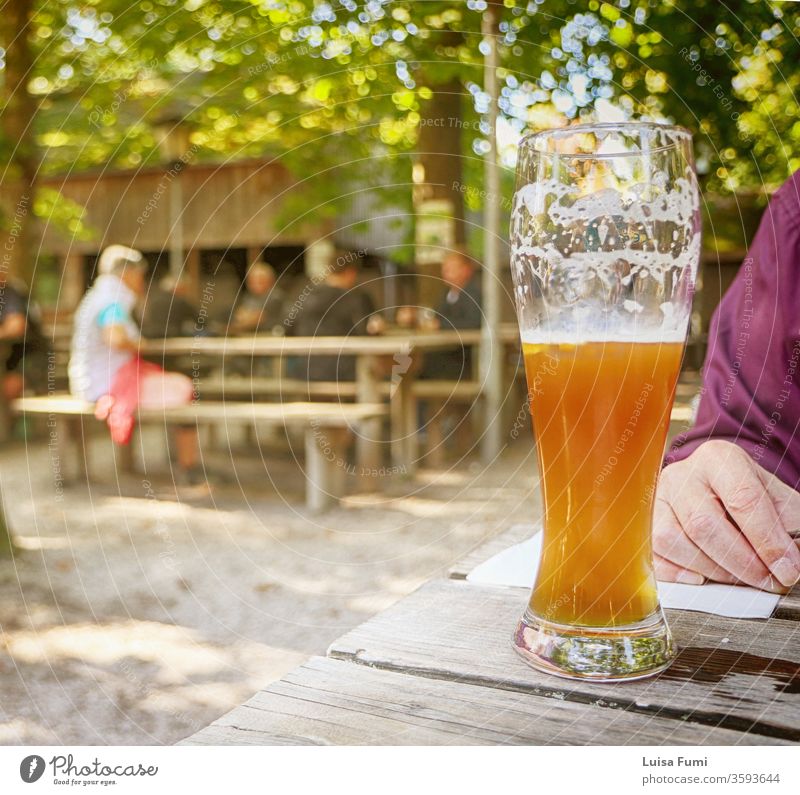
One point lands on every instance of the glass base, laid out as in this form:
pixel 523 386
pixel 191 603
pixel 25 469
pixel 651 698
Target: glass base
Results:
pixel 602 654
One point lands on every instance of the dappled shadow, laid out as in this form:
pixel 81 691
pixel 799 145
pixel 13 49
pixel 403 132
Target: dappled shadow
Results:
pixel 134 615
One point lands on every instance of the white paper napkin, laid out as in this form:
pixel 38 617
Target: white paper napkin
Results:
pixel 517 565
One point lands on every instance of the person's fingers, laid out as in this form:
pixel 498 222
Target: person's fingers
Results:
pixel 735 480
pixel 701 516
pixel 667 571
pixel 672 544
pixel 786 501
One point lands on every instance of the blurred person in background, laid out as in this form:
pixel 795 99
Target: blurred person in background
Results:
pixel 335 307
pixel 24 345
pixel 459 309
pixel 105 367
pixel 219 289
pixel 166 310
pixel 260 306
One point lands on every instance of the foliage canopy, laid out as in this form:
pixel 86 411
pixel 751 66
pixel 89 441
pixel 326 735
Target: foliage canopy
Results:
pixel 328 86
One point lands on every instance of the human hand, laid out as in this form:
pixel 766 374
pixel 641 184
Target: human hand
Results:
pixel 376 324
pixel 406 316
pixel 245 320
pixel 429 321
pixel 720 516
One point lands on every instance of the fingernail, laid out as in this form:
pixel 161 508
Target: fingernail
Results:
pixel 690 578
pixel 786 571
pixel 771 584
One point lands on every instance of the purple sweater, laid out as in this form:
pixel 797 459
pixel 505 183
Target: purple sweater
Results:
pixel 751 377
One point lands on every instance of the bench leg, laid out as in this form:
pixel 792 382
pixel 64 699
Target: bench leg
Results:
pixel 405 441
pixel 6 420
pixel 124 458
pixel 213 436
pixel 466 434
pixel 82 450
pixel 368 444
pixel 435 453
pixel 72 444
pixel 324 468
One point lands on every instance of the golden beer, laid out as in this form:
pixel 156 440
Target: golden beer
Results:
pixel 605 243
pixel 600 415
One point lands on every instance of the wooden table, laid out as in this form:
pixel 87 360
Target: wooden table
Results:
pixel 438 668
pixel 369 353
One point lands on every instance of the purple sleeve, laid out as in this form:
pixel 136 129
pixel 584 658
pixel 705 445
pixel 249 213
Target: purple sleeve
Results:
pixel 750 390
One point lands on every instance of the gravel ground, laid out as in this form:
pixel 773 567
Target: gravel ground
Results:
pixel 137 614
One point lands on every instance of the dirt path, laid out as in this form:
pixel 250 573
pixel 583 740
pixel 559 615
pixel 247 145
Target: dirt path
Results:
pixel 135 615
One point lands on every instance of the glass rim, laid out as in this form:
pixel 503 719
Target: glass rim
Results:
pixel 527 142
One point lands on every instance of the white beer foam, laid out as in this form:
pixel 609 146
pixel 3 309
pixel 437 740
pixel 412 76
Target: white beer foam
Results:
pixel 560 209
pixel 583 337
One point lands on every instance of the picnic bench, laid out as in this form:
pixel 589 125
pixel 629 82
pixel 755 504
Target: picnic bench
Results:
pixel 438 668
pixel 326 425
pixel 391 356
pixel 446 395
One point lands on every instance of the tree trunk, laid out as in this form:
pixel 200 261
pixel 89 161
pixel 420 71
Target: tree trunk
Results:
pixel 439 172
pixel 18 113
pixel 439 154
pixel 16 121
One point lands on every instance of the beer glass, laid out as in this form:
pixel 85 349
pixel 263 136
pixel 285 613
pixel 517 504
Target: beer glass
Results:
pixel 605 236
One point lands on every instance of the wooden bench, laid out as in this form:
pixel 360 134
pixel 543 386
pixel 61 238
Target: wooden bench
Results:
pixel 326 427
pixel 259 386
pixel 243 387
pixel 240 386
pixel 447 394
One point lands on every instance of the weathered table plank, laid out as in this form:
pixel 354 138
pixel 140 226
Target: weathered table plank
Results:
pixel 733 673
pixel 788 607
pixel 331 702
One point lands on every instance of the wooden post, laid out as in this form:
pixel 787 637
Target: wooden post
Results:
pixel 176 219
pixel 491 347
pixel 367 391
pixel 253 254
pixel 192 271
pixel 17 123
pixel 324 466
pixel 72 281
pixel 403 408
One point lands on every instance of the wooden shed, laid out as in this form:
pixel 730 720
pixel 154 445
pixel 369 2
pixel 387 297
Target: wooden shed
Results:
pixel 212 213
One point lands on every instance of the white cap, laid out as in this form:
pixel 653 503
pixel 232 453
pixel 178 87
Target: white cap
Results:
pixel 115 258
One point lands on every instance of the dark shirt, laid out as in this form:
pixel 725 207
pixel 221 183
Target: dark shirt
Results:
pixel 330 312
pixel 167 315
pixel 751 377
pixel 269 307
pixel 26 355
pixel 460 311
pixel 463 309
pixel 11 303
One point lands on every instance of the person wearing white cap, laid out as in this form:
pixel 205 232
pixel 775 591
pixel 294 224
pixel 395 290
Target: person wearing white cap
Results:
pixel 105 336
pixel 104 364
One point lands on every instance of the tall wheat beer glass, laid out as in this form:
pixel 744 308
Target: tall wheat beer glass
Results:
pixel 605 245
